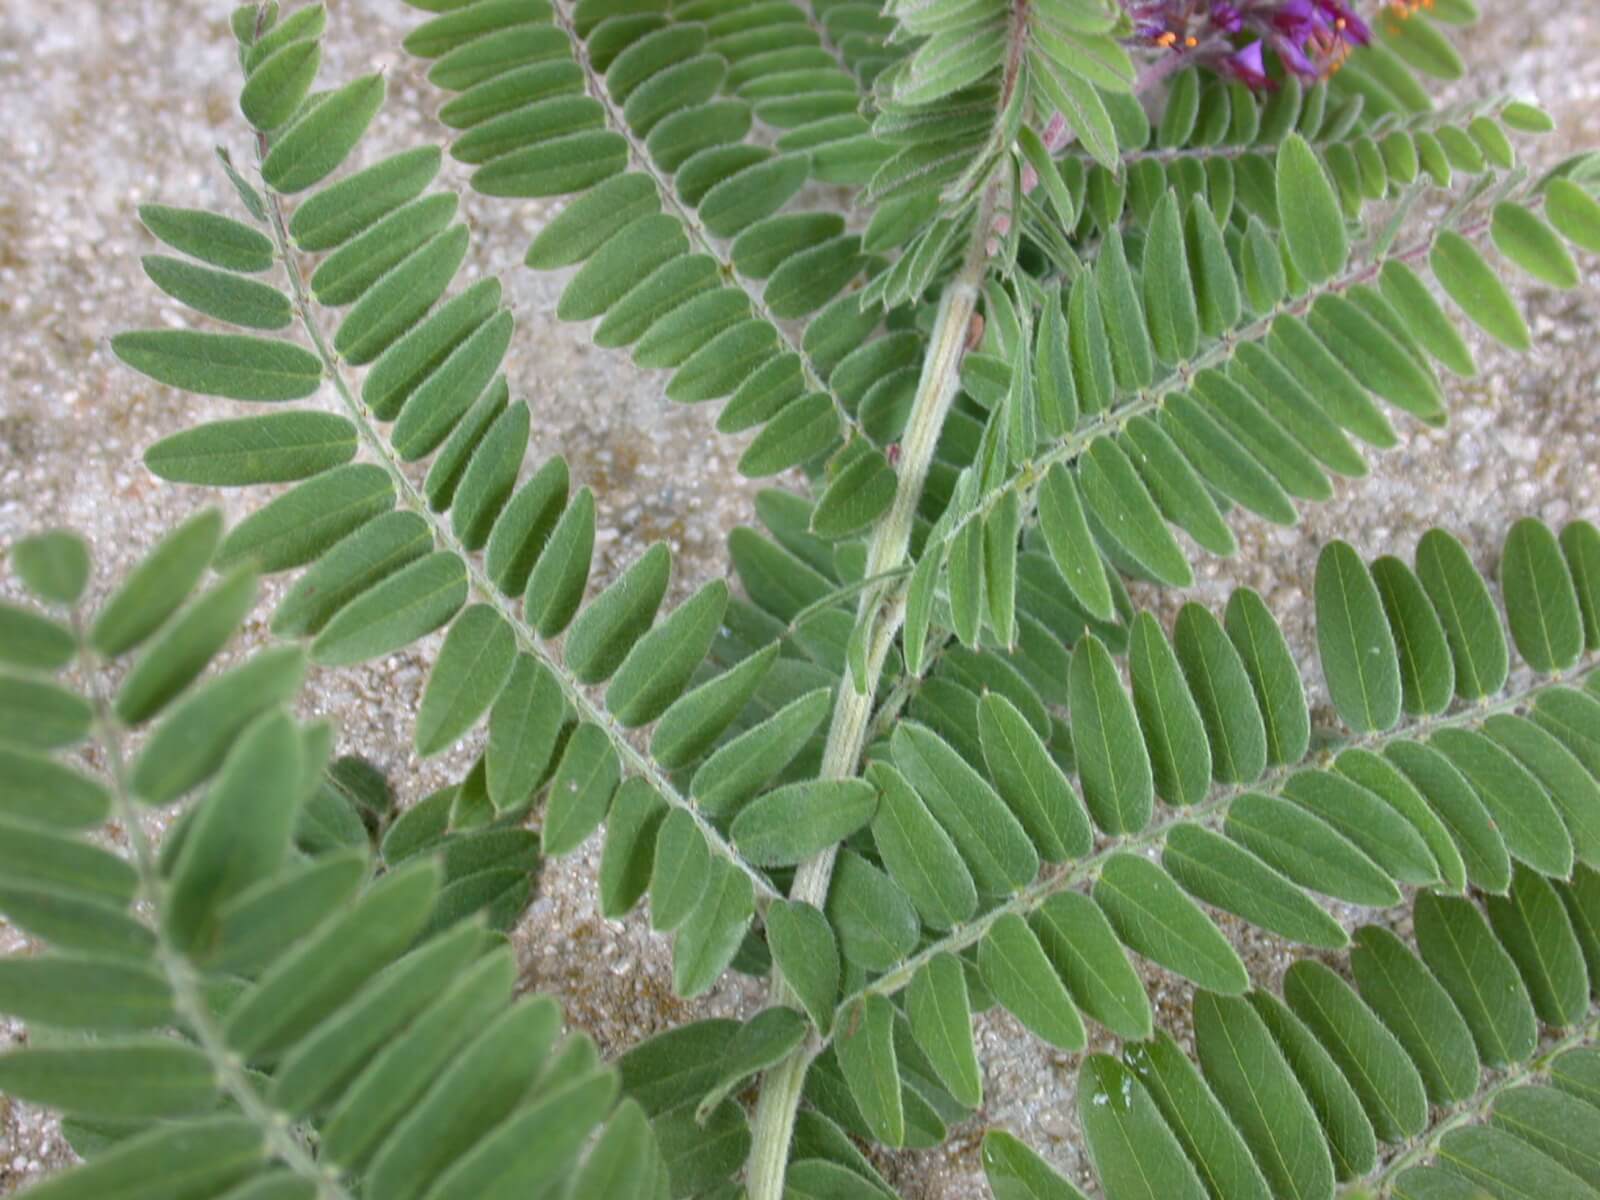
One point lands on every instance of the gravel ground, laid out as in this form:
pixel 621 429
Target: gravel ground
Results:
pixel 109 106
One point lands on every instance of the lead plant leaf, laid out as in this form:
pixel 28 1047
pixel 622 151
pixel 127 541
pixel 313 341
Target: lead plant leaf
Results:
pixel 1006 297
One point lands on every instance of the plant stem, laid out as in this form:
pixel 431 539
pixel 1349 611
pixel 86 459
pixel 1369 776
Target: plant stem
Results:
pixel 878 618
pixel 444 535
pixel 187 1001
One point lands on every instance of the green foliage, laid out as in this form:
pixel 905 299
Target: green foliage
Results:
pixel 895 764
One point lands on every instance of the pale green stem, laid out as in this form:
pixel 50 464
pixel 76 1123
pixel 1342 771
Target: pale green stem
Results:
pixel 880 615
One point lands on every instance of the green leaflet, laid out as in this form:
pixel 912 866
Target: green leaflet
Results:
pixel 208 1155
pixel 490 474
pixel 1215 1149
pixel 54 565
pixel 316 976
pixel 1224 874
pixel 396 302
pixel 370 553
pixel 1574 212
pixel 678 877
pixel 275 448
pixel 1471 620
pixel 991 841
pixel 1416 1009
pixel 658 667
pixel 1474 286
pixel 1351 1142
pixel 1383 834
pixel 866 1054
pixel 183 649
pixel 524 728
pixel 1425 320
pixel 625 1162
pixel 1384 780
pixel 1504 1165
pixel 340 211
pixel 1112 763
pixel 1033 786
pixel 581 791
pixel 1135 1154
pixel 1525 816
pixel 314 146
pixel 218 240
pixel 1222 692
pixel 740 767
pixel 241 831
pixel 471 669
pixel 786 826
pixel 1023 980
pixel 412 602
pixel 1532 925
pixel 1153 917
pixel 493 1070
pixel 155 588
pixel 856 497
pixel 1072 547
pixel 41 716
pixel 1080 943
pixel 1569 785
pixel 1389 1086
pixel 1357 649
pixel 1427 672
pixel 1015 1172
pixel 1252 1079
pixel 220 294
pixel 92 994
pixel 556 582
pixel 803 947
pixel 1541 605
pixel 131 1080
pixel 764 1041
pixel 1580 543
pixel 1273 674
pixel 232 365
pixel 694 720
pixel 628 859
pixel 1556 1124
pixel 1308 213
pixel 707 941
pixel 1479 976
pixel 1173 731
pixel 1577 1072
pixel 941 1022
pixel 41 791
pixel 1532 245
pixel 1376 357
pixel 918 853
pixel 299 526
pixel 1112 492
pixel 1457 804
pixel 1169 292
pixel 1308 850
pixel 383 1092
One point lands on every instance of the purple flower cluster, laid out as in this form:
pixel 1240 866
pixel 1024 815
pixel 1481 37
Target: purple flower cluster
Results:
pixel 1310 37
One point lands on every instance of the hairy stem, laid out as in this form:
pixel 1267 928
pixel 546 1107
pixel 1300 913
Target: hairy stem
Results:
pixel 879 617
pixel 483 588
pixel 187 1000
